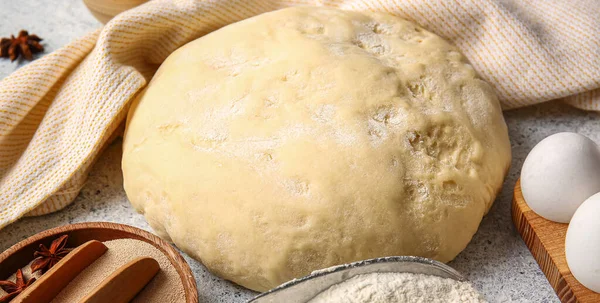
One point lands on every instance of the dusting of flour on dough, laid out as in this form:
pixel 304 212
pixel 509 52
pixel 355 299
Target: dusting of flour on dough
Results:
pixel 309 137
pixel 399 287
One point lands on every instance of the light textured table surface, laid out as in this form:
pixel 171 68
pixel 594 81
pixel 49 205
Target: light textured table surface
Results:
pixel 496 260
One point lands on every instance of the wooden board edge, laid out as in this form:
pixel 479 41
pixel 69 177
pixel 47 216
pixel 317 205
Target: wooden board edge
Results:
pixel 538 250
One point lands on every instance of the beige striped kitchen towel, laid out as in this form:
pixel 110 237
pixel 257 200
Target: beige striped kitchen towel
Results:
pixel 57 112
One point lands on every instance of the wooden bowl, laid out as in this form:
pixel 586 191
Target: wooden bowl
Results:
pixel 104 10
pixel 20 254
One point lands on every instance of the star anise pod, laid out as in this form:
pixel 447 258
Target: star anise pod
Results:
pixel 24 44
pixel 14 288
pixel 48 257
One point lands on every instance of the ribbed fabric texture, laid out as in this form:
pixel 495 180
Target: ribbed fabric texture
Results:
pixel 58 112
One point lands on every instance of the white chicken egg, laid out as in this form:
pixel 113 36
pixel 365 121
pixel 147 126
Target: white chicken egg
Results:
pixel 583 243
pixel 559 173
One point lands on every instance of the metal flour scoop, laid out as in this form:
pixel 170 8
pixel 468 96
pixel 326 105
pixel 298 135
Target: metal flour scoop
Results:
pixel 303 289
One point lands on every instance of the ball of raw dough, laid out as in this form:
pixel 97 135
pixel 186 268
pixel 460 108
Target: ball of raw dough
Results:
pixel 309 137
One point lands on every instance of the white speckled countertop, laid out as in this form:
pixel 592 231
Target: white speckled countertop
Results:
pixel 496 260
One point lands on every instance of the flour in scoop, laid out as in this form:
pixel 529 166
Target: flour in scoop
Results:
pixel 399 287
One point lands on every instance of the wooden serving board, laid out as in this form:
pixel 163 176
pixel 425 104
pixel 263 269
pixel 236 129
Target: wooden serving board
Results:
pixel 546 241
